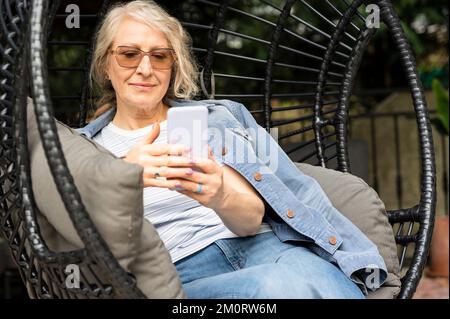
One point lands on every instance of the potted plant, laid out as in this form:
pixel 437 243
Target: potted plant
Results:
pixel 439 265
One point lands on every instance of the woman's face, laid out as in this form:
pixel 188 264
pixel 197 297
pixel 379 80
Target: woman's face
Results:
pixel 142 87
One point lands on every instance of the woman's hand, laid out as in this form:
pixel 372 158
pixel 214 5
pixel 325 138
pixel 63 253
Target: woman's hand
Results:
pixel 160 160
pixel 209 181
pixel 222 189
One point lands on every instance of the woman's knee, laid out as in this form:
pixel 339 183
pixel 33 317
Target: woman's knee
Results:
pixel 281 281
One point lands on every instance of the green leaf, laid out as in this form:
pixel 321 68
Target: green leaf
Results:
pixel 441 103
pixel 416 42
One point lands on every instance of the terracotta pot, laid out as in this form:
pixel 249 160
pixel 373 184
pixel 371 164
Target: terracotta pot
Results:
pixel 439 249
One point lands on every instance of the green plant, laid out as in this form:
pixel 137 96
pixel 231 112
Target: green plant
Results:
pixel 441 122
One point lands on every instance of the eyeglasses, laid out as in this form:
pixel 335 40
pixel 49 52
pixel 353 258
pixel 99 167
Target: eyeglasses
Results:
pixel 130 57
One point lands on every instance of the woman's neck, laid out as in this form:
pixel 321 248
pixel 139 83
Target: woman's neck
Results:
pixel 131 118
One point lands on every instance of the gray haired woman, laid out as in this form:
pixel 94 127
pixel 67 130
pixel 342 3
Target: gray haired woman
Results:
pixel 233 229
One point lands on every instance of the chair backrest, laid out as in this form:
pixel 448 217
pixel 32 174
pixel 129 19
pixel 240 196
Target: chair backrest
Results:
pixel 292 63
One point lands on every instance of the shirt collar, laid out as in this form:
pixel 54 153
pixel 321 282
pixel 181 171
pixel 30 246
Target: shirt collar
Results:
pixel 91 129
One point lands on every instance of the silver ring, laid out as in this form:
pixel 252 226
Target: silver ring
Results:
pixel 199 188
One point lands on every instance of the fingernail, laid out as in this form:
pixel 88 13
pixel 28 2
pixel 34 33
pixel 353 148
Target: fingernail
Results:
pixel 189 171
pixel 178 185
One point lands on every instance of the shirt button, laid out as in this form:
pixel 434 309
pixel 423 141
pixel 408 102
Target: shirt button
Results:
pixel 290 213
pixel 258 176
pixel 224 151
pixel 332 240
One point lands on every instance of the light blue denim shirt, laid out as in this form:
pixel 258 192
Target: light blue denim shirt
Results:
pixel 296 206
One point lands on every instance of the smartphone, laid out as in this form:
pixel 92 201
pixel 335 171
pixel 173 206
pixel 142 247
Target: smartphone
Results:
pixel 188 125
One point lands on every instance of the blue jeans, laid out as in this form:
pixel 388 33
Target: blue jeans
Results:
pixel 262 267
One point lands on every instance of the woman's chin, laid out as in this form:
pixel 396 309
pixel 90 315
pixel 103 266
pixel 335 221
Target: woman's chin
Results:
pixel 145 102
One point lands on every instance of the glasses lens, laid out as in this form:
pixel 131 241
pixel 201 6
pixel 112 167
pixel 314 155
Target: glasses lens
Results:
pixel 128 57
pixel 161 59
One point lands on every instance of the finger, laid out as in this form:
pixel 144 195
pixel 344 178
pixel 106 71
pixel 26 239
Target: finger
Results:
pixel 194 176
pixel 170 149
pixel 211 154
pixel 166 160
pixel 208 166
pixel 210 151
pixel 175 173
pixel 192 187
pixel 169 184
pixel 150 138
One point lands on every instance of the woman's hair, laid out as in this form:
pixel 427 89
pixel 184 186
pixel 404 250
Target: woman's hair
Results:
pixel 183 83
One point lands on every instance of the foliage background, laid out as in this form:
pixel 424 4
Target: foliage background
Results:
pixel 425 23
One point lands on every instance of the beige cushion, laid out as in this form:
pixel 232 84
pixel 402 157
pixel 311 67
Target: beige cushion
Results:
pixel 112 193
pixel 361 204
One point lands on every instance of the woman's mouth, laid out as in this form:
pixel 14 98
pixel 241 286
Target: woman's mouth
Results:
pixel 142 85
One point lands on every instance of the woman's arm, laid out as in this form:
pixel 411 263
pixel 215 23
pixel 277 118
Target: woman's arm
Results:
pixel 228 193
pixel 241 209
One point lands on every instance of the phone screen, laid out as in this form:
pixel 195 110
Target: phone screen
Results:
pixel 188 125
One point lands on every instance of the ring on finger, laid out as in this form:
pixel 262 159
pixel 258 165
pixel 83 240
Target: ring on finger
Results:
pixel 158 176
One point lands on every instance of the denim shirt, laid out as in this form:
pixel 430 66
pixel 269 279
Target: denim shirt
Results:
pixel 296 206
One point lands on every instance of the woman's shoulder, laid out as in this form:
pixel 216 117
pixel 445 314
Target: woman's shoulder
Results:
pixel 94 127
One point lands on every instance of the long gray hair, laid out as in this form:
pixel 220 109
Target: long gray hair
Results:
pixel 185 72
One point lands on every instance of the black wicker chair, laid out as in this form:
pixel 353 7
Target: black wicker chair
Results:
pixel 330 48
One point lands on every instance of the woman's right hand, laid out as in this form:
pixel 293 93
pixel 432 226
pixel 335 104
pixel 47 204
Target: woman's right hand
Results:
pixel 167 160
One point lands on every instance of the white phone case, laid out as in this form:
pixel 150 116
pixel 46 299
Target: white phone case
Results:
pixel 188 125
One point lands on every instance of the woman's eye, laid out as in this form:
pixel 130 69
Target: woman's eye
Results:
pixel 159 56
pixel 130 54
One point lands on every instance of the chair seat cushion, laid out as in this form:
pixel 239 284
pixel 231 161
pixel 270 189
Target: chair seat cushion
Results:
pixel 361 204
pixel 112 193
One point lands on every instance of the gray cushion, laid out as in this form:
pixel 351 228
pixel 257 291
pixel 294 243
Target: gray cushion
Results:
pixel 112 192
pixel 361 204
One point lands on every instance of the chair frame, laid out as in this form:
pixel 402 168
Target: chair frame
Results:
pixel 26 27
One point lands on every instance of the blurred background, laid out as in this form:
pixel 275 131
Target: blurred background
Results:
pixel 383 130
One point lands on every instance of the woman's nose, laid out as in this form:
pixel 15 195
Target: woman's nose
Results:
pixel 145 67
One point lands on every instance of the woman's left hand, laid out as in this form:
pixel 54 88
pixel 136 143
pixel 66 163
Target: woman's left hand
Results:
pixel 211 180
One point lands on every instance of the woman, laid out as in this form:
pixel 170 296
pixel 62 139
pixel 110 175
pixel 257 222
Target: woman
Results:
pixel 229 231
